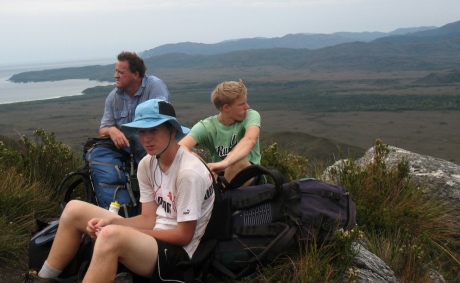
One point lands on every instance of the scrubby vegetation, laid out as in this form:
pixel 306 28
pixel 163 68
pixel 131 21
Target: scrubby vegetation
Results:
pixel 412 233
pixel 31 171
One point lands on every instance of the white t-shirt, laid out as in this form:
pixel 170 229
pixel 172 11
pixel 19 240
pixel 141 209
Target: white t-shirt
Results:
pixel 183 193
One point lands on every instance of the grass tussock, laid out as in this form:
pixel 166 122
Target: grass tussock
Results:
pixel 414 234
pixel 30 174
pixel 21 202
pixel 328 262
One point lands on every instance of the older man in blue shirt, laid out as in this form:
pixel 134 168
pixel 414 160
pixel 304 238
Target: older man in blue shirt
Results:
pixel 133 87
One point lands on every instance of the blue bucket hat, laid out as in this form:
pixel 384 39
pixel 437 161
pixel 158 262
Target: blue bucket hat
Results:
pixel 152 113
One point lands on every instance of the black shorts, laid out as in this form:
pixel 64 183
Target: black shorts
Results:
pixel 169 256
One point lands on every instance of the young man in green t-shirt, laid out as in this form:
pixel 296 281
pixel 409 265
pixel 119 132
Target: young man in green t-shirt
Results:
pixel 232 136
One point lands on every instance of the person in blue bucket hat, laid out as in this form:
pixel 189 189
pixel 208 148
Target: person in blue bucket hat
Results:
pixel 153 113
pixel 177 197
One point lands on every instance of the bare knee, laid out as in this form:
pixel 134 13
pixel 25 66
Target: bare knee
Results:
pixel 72 211
pixel 109 239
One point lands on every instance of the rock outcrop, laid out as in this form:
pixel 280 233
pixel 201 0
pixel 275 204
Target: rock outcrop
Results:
pixel 370 268
pixel 435 176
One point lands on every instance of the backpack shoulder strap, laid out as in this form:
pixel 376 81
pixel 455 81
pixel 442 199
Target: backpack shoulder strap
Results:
pixel 250 172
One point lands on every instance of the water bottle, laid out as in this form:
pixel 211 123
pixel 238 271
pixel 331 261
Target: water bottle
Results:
pixel 114 207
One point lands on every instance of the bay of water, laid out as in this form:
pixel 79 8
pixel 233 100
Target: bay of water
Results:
pixel 18 92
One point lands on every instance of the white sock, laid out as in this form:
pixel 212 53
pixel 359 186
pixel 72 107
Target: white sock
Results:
pixel 48 271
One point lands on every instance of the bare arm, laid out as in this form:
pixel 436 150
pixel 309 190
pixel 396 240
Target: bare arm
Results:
pixel 188 142
pixel 181 235
pixel 146 220
pixel 241 150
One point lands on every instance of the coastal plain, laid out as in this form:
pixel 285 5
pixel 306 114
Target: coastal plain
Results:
pixel 288 115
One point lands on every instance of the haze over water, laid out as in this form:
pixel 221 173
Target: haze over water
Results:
pixel 18 92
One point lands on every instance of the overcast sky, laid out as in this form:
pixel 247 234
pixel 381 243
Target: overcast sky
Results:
pixel 34 31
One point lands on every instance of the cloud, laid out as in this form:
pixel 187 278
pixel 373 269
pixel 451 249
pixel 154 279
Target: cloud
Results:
pixel 69 6
pixel 23 7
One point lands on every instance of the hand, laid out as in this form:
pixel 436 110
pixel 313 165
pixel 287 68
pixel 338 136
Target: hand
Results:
pixel 217 167
pixel 118 138
pixel 95 226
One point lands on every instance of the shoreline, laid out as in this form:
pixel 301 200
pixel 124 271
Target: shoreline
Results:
pixel 42 99
pixel 46 90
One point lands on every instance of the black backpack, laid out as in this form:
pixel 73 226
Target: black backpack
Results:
pixel 252 226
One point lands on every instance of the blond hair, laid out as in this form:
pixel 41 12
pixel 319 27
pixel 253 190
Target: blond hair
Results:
pixel 228 92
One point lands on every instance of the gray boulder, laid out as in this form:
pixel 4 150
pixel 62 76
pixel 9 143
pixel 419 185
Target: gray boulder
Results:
pixel 436 176
pixel 367 267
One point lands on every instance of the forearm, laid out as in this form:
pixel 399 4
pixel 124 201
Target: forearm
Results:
pixel 241 151
pixel 171 236
pixel 181 235
pixel 106 131
pixel 140 222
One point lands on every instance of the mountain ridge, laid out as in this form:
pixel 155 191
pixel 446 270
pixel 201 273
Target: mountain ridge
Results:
pixel 447 31
pixel 298 40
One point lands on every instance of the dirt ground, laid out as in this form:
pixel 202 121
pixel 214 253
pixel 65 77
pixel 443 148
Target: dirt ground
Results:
pixel 11 274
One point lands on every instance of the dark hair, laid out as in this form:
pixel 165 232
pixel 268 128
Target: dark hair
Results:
pixel 168 125
pixel 136 64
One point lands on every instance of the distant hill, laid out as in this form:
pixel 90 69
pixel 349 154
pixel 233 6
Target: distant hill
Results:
pixel 312 147
pixel 300 40
pixel 442 54
pixel 443 33
pixel 95 72
pixel 452 76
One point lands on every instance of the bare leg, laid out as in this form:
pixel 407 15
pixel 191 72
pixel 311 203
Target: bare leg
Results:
pixel 72 225
pixel 135 250
pixel 232 170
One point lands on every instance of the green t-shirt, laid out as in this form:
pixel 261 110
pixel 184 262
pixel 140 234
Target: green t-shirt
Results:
pixel 220 139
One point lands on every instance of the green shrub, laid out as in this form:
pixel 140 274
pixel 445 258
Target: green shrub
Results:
pixel 46 160
pixel 290 165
